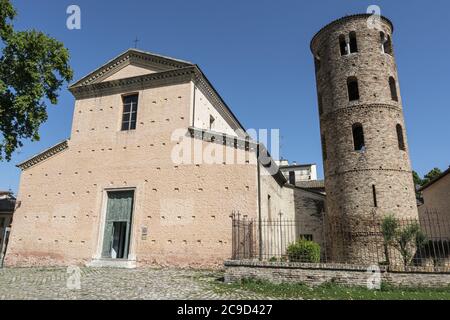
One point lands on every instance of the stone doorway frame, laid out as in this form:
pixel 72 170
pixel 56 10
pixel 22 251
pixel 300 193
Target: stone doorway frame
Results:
pixel 98 260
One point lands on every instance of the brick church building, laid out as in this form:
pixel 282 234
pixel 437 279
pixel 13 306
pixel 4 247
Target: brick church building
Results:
pixel 131 188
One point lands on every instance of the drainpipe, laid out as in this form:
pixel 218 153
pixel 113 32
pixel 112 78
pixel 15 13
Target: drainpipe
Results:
pixel 259 203
pixel 193 106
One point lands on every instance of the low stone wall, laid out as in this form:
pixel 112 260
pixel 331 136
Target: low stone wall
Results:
pixel 317 274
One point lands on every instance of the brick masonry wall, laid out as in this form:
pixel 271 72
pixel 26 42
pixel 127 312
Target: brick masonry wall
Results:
pixel 317 274
pixel 186 208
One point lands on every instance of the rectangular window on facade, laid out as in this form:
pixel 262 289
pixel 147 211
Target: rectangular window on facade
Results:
pixel 292 177
pixel 129 117
pixel 211 122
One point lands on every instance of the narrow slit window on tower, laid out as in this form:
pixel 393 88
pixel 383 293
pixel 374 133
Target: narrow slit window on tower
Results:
pixel 129 116
pixel 343 45
pixel 358 137
pixel 320 98
pixel 324 148
pixel 374 194
pixel 353 42
pixel 400 138
pixel 269 207
pixel 386 43
pixel 353 89
pixel 393 87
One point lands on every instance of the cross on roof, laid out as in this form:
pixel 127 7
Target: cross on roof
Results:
pixel 136 41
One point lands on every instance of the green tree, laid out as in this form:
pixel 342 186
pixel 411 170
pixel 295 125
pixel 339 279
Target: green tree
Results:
pixel 417 180
pixel 33 67
pixel 406 240
pixel 430 176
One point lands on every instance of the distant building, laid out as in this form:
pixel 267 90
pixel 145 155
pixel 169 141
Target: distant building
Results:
pixel 436 200
pixel 7 205
pixel 297 172
pixel 302 175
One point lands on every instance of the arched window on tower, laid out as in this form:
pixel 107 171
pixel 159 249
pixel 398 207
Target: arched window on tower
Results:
pixel 353 42
pixel 358 137
pixel 393 87
pixel 343 45
pixel 386 43
pixel 400 138
pixel 353 89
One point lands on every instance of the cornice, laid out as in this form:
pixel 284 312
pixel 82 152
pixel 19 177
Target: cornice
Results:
pixel 239 143
pixel 223 138
pixel 44 155
pixel 134 83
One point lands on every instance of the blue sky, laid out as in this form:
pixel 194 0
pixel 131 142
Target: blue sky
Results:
pixel 256 54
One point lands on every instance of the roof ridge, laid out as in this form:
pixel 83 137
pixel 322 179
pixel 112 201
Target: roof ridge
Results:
pixel 119 60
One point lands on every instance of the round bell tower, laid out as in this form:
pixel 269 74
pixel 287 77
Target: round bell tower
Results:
pixel 365 150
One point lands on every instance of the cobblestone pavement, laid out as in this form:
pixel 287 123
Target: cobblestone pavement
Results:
pixel 113 284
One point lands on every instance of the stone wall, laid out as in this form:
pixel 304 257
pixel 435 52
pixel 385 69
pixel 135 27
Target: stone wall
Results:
pixel 317 274
pixel 310 210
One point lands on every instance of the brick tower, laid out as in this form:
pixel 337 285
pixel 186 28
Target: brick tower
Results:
pixel 365 151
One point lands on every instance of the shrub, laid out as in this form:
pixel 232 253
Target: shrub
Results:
pixel 304 251
pixel 273 259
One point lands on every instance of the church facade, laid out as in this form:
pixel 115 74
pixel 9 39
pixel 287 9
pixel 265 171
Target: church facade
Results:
pixel 155 165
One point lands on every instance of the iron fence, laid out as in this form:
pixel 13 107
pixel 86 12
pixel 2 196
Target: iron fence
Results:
pixel 421 244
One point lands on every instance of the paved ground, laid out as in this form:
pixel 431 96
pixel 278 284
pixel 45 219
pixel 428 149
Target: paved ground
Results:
pixel 111 284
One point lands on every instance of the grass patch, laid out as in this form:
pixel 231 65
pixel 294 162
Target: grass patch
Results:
pixel 331 291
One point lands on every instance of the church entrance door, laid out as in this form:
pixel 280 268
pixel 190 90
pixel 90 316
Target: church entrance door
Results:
pixel 119 211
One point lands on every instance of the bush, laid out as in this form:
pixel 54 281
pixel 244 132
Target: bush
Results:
pixel 304 251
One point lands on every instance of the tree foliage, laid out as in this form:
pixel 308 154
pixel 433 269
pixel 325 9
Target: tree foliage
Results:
pixel 33 67
pixel 405 239
pixel 430 176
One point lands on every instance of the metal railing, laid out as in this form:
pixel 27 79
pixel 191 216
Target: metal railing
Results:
pixel 421 244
